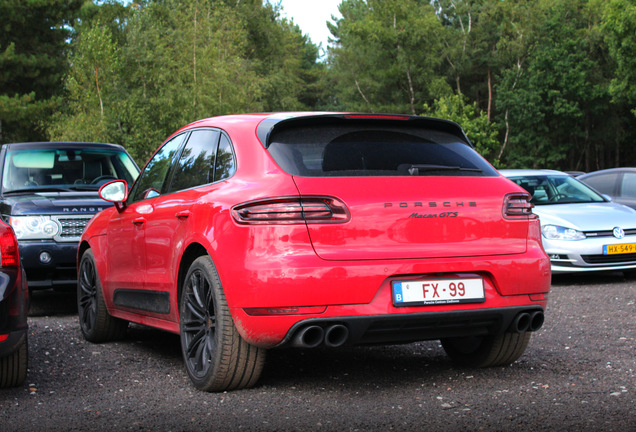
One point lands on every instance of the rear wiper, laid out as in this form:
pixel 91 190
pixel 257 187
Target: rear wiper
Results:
pixel 417 169
pixel 37 190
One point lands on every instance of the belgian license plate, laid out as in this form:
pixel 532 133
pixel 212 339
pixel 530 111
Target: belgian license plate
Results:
pixel 438 291
pixel 619 249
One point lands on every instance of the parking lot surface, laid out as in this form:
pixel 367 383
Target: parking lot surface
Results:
pixel 578 374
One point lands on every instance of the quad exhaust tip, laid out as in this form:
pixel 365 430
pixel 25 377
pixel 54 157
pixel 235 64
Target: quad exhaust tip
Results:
pixel 527 322
pixel 336 335
pixel 333 336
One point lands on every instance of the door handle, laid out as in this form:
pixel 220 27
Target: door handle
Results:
pixel 139 221
pixel 183 214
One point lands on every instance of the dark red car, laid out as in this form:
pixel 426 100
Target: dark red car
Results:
pixel 14 307
pixel 250 232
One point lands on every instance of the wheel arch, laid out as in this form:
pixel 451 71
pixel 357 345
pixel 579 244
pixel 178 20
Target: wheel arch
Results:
pixel 192 252
pixel 83 246
pixel 101 264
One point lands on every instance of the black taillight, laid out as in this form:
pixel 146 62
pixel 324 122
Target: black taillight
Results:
pixel 291 211
pixel 518 205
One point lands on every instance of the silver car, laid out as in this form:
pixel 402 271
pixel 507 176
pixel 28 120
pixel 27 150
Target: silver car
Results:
pixel 618 183
pixel 581 229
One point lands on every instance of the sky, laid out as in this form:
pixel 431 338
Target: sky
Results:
pixel 311 16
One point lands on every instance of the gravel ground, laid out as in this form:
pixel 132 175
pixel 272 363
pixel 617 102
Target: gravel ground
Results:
pixel 578 374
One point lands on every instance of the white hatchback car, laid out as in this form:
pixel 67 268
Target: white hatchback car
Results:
pixel 582 230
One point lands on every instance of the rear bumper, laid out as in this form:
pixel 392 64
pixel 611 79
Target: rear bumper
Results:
pixel 404 328
pixel 380 323
pixel 270 300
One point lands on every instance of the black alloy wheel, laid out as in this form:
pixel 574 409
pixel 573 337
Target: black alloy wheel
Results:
pixel 87 295
pixel 95 322
pixel 217 358
pixel 199 324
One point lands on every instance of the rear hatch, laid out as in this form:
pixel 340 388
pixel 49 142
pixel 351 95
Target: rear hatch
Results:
pixel 413 188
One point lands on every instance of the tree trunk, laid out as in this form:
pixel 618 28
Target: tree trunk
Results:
pixel 411 91
pixel 489 95
pixel 194 59
pixel 503 146
pixel 363 96
pixel 99 93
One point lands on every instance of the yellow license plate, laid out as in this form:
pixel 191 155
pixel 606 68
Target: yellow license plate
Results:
pixel 619 249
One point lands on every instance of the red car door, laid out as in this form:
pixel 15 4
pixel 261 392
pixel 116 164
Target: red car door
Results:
pixel 171 222
pixel 164 246
pixel 127 249
pixel 126 252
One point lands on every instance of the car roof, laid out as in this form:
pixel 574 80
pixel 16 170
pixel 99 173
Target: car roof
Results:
pixel 530 172
pixel 266 123
pixel 65 144
pixel 609 171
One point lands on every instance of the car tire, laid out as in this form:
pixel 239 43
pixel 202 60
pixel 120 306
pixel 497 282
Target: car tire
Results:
pixel 13 368
pixel 217 358
pixel 95 322
pixel 487 351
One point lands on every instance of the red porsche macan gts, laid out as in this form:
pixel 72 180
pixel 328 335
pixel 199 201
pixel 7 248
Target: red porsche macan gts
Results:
pixel 249 232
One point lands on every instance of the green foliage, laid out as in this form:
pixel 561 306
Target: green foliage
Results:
pixel 32 64
pixel 553 90
pixel 537 83
pixel 91 85
pixel 619 27
pixel 482 132
pixel 540 68
pixel 175 62
pixel 388 56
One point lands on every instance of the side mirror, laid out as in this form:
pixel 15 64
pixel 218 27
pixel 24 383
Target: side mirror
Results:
pixel 116 192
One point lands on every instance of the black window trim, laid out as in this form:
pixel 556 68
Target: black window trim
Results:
pixel 216 152
pixel 218 144
pixel 169 177
pixel 176 160
pixel 176 156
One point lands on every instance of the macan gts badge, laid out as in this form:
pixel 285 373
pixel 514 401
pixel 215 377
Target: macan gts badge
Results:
pixel 246 233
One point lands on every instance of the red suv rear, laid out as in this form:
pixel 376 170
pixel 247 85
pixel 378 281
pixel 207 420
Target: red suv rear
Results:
pixel 251 232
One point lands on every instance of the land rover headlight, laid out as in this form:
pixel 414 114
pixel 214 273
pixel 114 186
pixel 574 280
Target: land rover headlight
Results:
pixel 34 227
pixel 555 232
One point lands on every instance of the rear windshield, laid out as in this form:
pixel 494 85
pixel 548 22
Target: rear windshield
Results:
pixel 355 150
